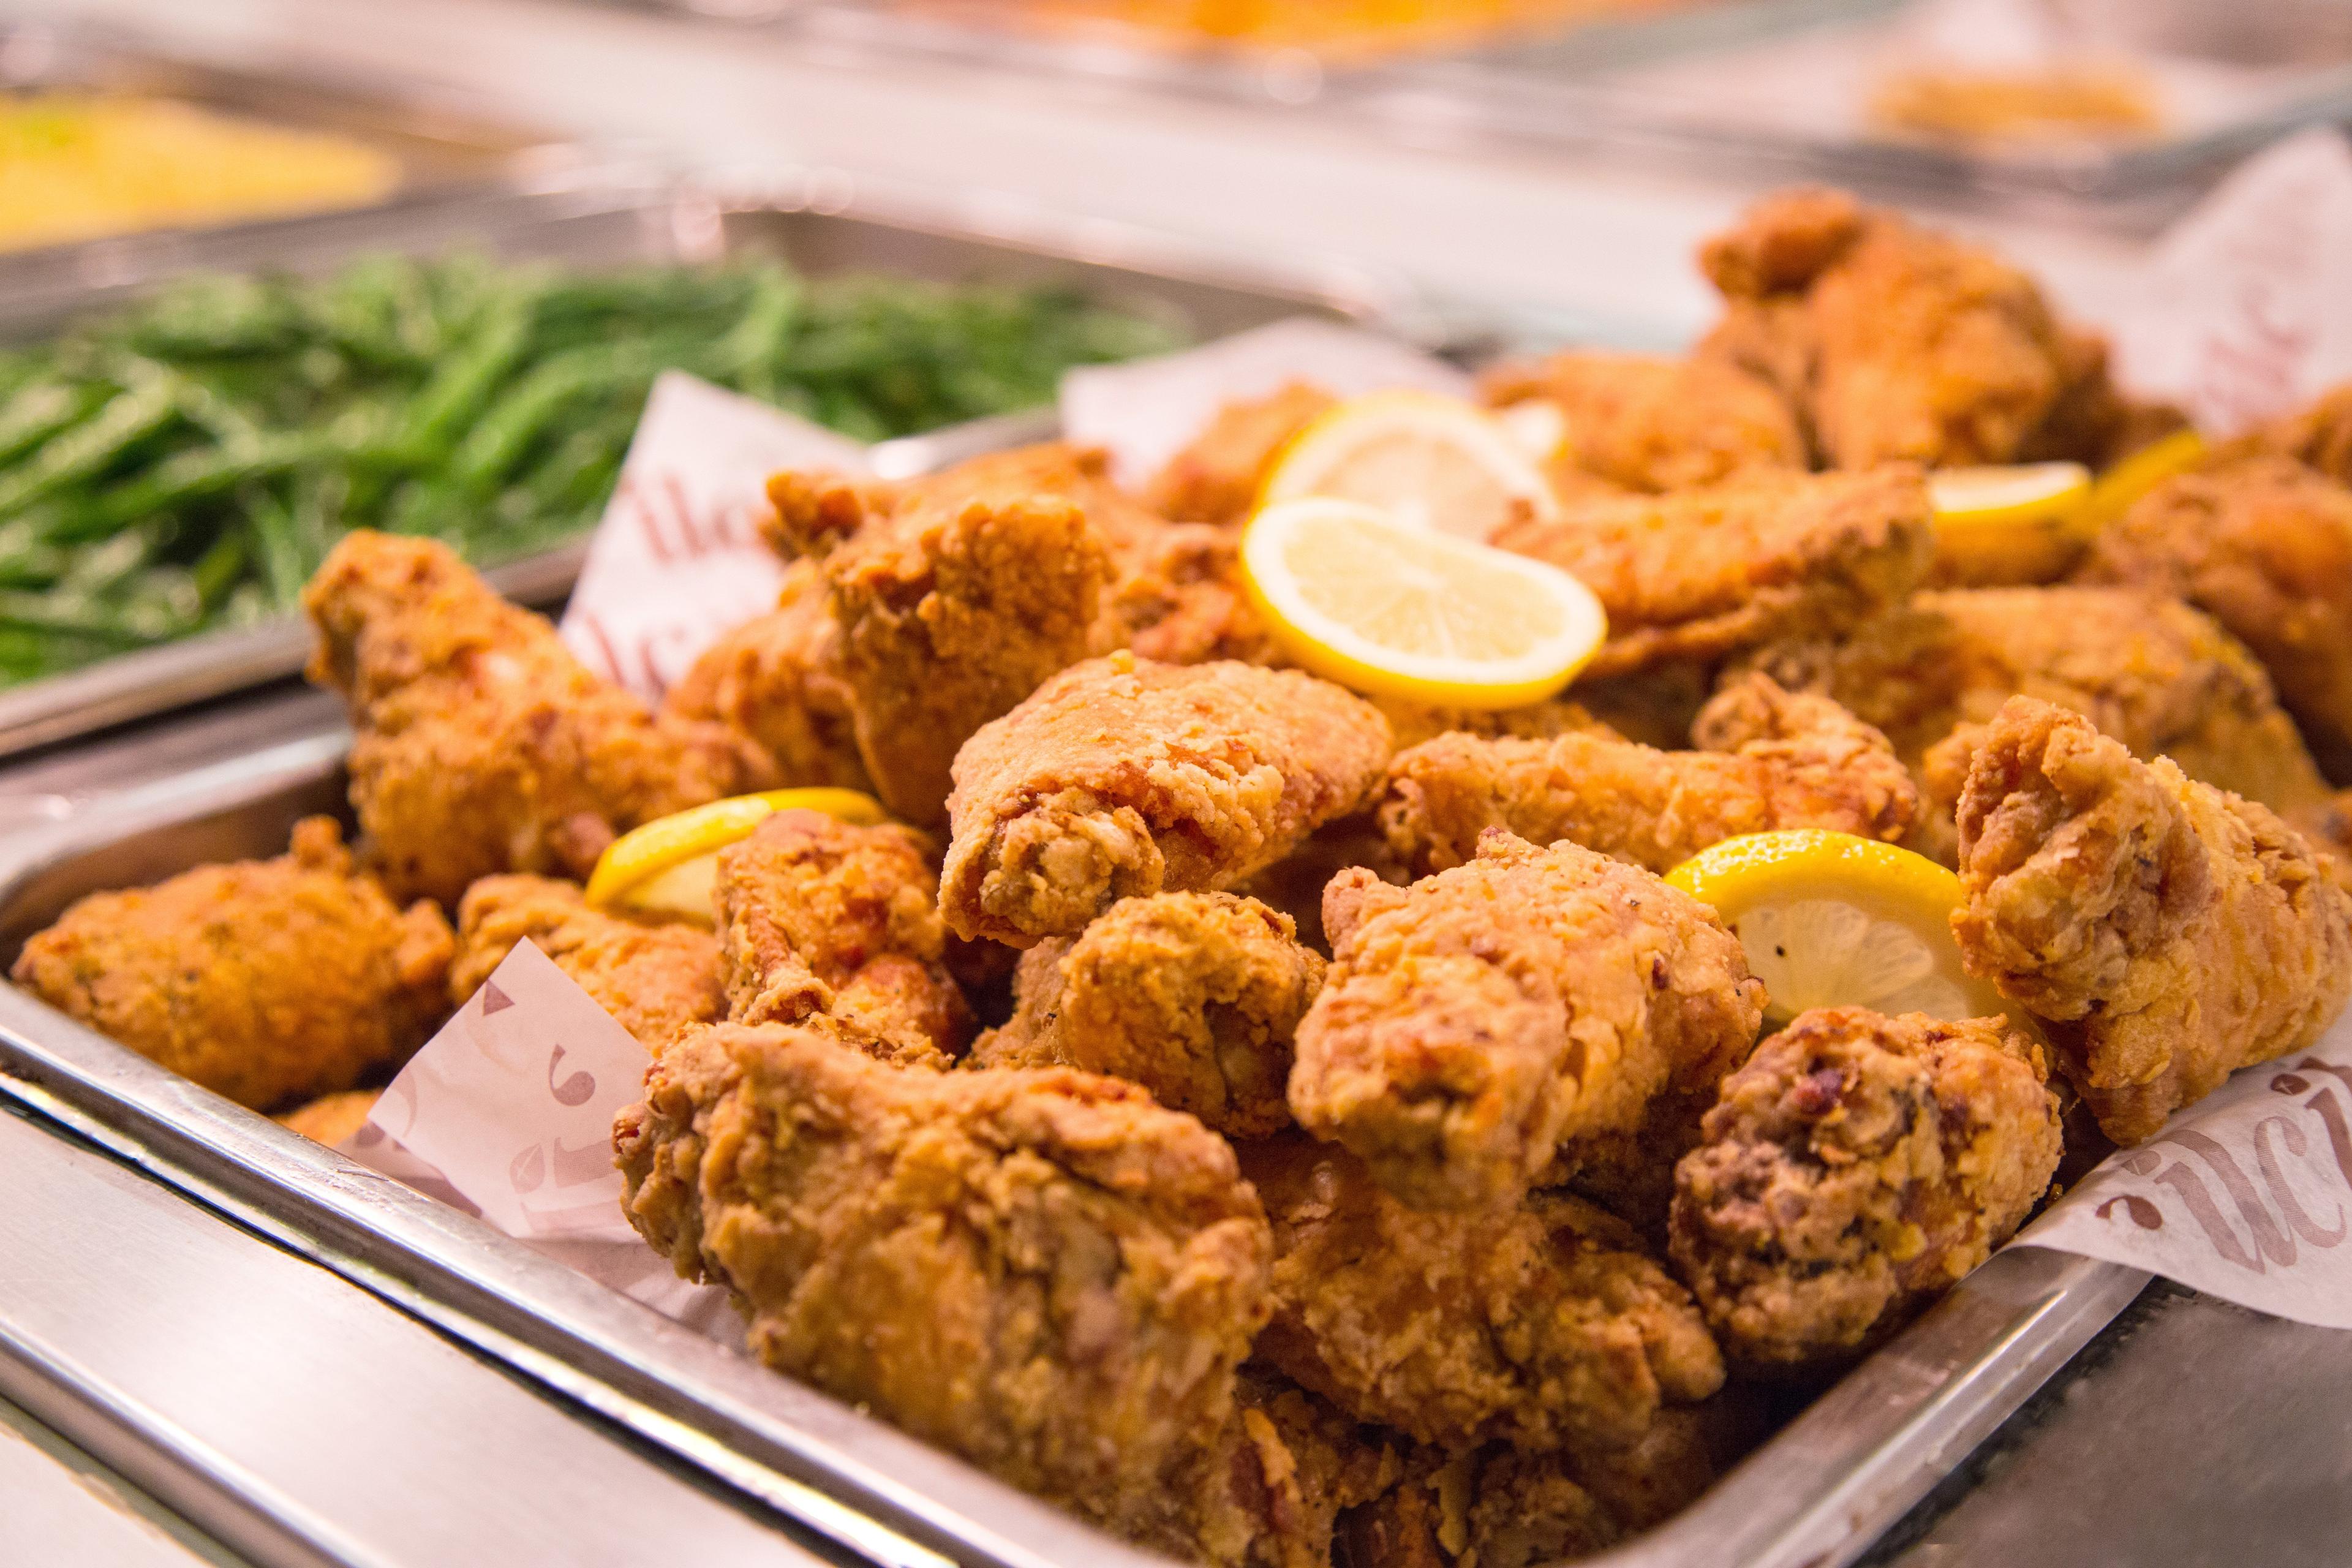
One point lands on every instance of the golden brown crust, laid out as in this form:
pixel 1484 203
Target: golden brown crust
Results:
pixel 1479 1024
pixel 1122 777
pixel 483 746
pixel 821 918
pixel 332 1118
pixel 1703 574
pixel 266 980
pixel 1649 422
pixel 654 978
pixel 777 681
pixel 1856 1166
pixel 1215 479
pixel 2171 932
pixel 1195 996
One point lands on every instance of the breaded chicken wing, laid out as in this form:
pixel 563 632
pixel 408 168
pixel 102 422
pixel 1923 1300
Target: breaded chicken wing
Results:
pixel 1544 1323
pixel 2318 436
pixel 332 1118
pixel 2264 547
pixel 1701 574
pixel 2169 931
pixel 1774 760
pixel 1649 422
pixel 654 978
pixel 1042 1271
pixel 1122 777
pixel 821 918
pixel 483 746
pixel 1195 996
pixel 1216 478
pixel 1410 724
pixel 1855 1168
pixel 1480 1024
pixel 1890 342
pixel 266 980
pixel 777 681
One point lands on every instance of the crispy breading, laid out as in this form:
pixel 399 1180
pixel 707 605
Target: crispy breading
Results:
pixel 2318 435
pixel 1647 422
pixel 1476 1025
pixel 777 680
pixel 1773 761
pixel 1701 574
pixel 1545 1322
pixel 1215 477
pixel 821 918
pixel 1410 724
pixel 1891 341
pixel 2169 931
pixel 2264 547
pixel 483 745
pixel 654 977
pixel 1042 1271
pixel 1196 996
pixel 332 1118
pixel 266 980
pixel 1122 777
pixel 1855 1168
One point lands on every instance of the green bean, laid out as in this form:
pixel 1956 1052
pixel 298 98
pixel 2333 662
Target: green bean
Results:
pixel 463 380
pixel 88 448
pixel 41 412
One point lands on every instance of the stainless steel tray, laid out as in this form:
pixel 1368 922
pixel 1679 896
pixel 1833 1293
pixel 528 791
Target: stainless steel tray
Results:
pixel 821 222
pixel 1814 1497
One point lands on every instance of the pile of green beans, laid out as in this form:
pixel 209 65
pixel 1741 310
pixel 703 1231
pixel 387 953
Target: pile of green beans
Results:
pixel 186 464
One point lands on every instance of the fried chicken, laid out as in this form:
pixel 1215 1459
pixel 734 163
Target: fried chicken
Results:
pixel 1853 1169
pixel 654 978
pixel 1410 724
pixel 1122 777
pixel 777 681
pixel 1195 996
pixel 2318 436
pixel 1773 761
pixel 483 746
pixel 266 980
pixel 1042 1271
pixel 821 918
pixel 1542 1323
pixel 2265 548
pixel 1480 1024
pixel 2170 932
pixel 1216 478
pixel 1701 574
pixel 330 1118
pixel 1889 342
pixel 1648 422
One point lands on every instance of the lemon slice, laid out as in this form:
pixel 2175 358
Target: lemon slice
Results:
pixel 1379 605
pixel 1829 920
pixel 2000 526
pixel 669 867
pixel 1434 462
pixel 1537 426
pixel 2141 472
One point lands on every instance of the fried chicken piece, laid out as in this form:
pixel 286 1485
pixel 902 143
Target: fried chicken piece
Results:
pixel 1293 885
pixel 1196 996
pixel 1701 574
pixel 2318 436
pixel 655 977
pixel 266 980
pixel 1773 761
pixel 1476 1026
pixel 1645 422
pixel 1543 1324
pixel 1042 1271
pixel 1851 1171
pixel 2264 547
pixel 2170 932
pixel 1890 343
pixel 1216 478
pixel 1410 724
pixel 777 681
pixel 332 1118
pixel 1122 777
pixel 821 918
pixel 483 746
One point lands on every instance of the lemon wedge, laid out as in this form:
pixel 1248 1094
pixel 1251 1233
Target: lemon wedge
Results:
pixel 1829 920
pixel 2021 523
pixel 1381 605
pixel 1537 426
pixel 1432 461
pixel 2141 472
pixel 669 867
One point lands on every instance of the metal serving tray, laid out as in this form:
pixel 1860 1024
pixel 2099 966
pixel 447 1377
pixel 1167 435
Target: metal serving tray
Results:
pixel 1814 1496
pixel 823 222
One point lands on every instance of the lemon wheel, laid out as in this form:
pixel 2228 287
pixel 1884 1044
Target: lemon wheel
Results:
pixel 1430 461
